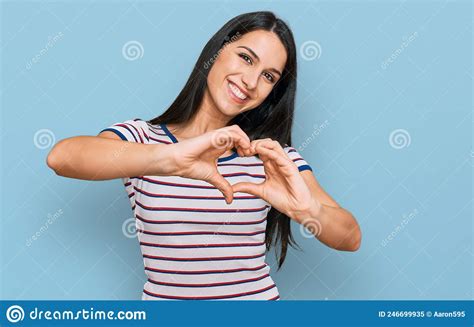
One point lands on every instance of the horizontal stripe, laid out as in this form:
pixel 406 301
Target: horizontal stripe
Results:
pixel 232 156
pixel 197 246
pixel 173 196
pixel 157 132
pixel 202 272
pixel 253 222
pixel 154 181
pixel 242 281
pixel 199 233
pixel 209 297
pixel 160 141
pixel 248 257
pixel 200 209
pixel 243 174
pixel 242 164
pixel 304 167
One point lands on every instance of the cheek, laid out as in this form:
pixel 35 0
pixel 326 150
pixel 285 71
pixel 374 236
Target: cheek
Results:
pixel 264 90
pixel 225 64
pixel 213 83
pixel 221 68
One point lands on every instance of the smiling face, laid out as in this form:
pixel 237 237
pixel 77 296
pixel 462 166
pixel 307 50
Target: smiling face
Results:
pixel 245 72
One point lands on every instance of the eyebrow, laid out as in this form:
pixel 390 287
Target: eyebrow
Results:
pixel 257 57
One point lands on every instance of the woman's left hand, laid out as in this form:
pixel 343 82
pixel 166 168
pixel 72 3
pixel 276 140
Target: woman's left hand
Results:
pixel 284 188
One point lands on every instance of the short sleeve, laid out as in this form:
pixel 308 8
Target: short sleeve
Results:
pixel 294 155
pixel 133 130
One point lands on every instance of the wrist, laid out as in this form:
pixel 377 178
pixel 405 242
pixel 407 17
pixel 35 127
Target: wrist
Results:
pixel 164 159
pixel 309 212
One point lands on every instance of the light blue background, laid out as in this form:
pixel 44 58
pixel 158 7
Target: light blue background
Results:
pixel 83 84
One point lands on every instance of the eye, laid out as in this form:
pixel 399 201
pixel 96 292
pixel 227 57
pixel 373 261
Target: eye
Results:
pixel 269 77
pixel 245 57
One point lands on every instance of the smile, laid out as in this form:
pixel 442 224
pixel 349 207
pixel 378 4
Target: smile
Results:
pixel 236 94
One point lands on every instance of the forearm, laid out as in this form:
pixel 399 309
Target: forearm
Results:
pixel 333 226
pixel 97 158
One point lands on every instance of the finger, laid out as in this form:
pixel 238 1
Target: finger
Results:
pixel 275 145
pixel 257 143
pixel 268 164
pixel 239 130
pixel 234 134
pixel 254 143
pixel 246 151
pixel 224 139
pixel 237 140
pixel 242 144
pixel 223 185
pixel 271 154
pixel 269 143
pixel 250 151
pixel 251 188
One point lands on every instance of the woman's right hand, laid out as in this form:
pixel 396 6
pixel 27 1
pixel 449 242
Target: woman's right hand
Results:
pixel 196 157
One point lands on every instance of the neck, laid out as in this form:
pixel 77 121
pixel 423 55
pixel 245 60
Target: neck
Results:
pixel 207 118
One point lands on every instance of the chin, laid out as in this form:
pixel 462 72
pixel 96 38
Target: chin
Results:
pixel 230 112
pixel 229 109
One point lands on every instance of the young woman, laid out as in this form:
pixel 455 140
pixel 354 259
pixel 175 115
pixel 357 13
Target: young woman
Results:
pixel 214 182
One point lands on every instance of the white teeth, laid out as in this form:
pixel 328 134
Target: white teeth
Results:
pixel 237 92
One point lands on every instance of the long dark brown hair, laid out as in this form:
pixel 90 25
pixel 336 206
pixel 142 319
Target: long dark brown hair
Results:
pixel 273 118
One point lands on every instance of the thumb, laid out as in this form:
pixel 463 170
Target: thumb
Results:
pixel 223 185
pixel 251 188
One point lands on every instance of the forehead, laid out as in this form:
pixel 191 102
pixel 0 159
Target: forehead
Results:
pixel 267 46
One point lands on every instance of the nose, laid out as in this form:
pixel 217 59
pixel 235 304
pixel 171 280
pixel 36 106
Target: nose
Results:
pixel 250 79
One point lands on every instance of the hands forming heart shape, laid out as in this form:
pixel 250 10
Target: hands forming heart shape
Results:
pixel 284 188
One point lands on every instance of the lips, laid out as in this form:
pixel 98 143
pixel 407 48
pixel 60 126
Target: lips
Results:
pixel 236 93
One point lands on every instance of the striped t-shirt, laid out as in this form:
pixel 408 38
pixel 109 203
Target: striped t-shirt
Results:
pixel 196 246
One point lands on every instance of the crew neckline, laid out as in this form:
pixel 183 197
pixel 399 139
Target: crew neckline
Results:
pixel 164 127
